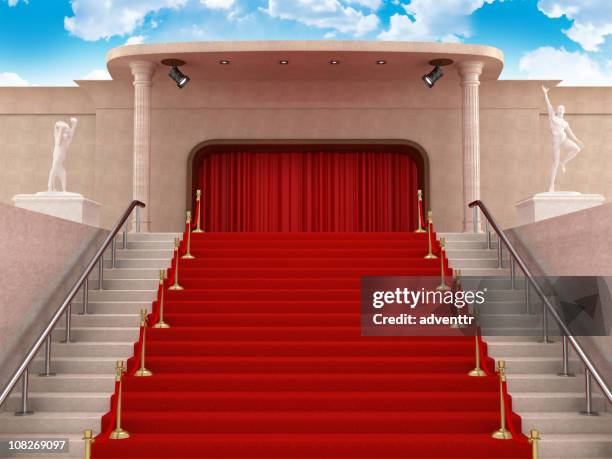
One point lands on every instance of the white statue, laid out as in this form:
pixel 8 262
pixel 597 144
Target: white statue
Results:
pixel 63 138
pixel 563 139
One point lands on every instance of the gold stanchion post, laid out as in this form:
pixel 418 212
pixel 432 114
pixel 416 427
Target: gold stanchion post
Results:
pixel 199 212
pixel 119 433
pixel 161 323
pixel 420 229
pixel 477 371
pixel 534 439
pixel 142 371
pixel 88 437
pixel 188 255
pixel 176 285
pixel 502 433
pixel 430 254
pixel 442 285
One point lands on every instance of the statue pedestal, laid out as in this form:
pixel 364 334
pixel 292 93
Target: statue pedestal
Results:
pixel 69 206
pixel 541 206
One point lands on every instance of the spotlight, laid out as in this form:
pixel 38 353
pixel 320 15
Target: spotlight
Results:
pixel 432 77
pixel 283 62
pixel 381 62
pixel 224 62
pixel 179 77
pixel 334 62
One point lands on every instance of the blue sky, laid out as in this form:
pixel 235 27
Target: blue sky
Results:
pixel 52 42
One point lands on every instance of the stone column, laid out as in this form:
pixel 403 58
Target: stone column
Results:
pixel 141 182
pixel 470 72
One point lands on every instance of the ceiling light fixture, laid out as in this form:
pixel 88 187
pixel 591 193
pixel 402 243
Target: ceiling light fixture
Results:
pixel 179 77
pixel 381 62
pixel 224 62
pixel 432 77
pixel 334 62
pixel 283 62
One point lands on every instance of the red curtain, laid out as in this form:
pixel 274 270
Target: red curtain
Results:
pixel 308 191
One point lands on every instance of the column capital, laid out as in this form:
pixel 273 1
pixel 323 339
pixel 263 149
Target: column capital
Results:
pixel 143 71
pixel 470 71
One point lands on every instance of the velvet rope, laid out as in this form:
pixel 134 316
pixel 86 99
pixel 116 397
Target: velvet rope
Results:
pixel 423 221
pixel 108 420
pixel 196 214
pixel 133 363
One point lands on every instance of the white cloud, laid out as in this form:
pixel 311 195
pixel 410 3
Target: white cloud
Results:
pixel 98 74
pixel 218 4
pixel 433 20
pixel 135 40
pixel 574 68
pixel 12 79
pixel 324 14
pixel 96 19
pixel 14 2
pixel 372 4
pixel 592 19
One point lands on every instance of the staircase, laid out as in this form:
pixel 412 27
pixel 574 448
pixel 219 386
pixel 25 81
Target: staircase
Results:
pixel 543 399
pixel 265 359
pixel 77 397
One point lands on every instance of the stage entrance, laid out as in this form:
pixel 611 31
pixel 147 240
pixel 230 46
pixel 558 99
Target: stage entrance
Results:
pixel 335 188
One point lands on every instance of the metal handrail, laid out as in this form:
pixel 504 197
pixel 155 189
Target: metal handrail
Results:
pixel 591 369
pixel 45 336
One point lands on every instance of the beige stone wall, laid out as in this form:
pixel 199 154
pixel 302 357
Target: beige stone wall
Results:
pixel 514 136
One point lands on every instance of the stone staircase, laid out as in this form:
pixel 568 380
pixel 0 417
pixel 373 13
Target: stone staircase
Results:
pixel 545 401
pixel 77 397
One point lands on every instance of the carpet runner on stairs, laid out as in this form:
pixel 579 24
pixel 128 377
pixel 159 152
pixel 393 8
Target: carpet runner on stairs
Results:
pixel 265 358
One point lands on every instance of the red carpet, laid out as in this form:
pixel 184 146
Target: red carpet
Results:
pixel 265 359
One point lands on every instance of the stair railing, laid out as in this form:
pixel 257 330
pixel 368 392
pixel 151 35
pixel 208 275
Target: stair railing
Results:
pixel 66 308
pixel 590 370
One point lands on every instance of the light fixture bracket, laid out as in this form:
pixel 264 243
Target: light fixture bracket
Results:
pixel 441 62
pixel 173 62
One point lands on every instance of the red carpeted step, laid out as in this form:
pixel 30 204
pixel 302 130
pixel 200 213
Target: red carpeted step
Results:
pixel 405 263
pixel 301 272
pixel 247 306
pixel 319 446
pixel 330 422
pixel 306 365
pixel 308 237
pixel 206 244
pixel 259 319
pixel 307 348
pixel 311 252
pixel 311 401
pixel 278 381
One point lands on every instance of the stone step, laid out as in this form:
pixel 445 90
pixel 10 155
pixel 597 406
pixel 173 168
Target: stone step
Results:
pixel 567 423
pixel 576 446
pixel 485 272
pixel 73 382
pixel 121 295
pixel 530 365
pixel 106 320
pixel 43 423
pixel 143 263
pixel 159 237
pixel 478 254
pixel 115 350
pixel 128 273
pixel 462 236
pixel 130 284
pixel 101 308
pixel 97 334
pixel 495 308
pixel 476 244
pixel 543 383
pixel 62 402
pixel 505 349
pixel 77 365
pixel 158 254
pixel 465 263
pixel 546 402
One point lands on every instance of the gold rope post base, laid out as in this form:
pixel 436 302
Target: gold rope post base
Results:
pixel 188 255
pixel 119 433
pixel 442 285
pixel 142 371
pixel 88 437
pixel 199 211
pixel 502 433
pixel 430 254
pixel 420 229
pixel 176 285
pixel 534 439
pixel 161 323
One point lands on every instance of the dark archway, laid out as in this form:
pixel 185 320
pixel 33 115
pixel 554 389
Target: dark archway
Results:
pixel 308 185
